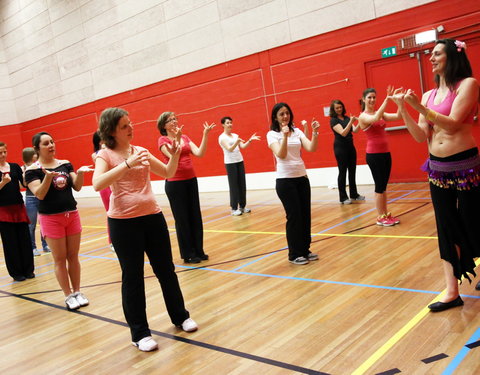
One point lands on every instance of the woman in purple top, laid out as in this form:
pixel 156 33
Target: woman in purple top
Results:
pixel 446 116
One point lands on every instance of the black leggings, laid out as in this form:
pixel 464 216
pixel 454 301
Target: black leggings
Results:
pixel 346 156
pixel 381 165
pixel 132 238
pixel 237 184
pixel 295 195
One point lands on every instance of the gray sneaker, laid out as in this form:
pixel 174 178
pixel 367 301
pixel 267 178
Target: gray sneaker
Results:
pixel 359 198
pixel 299 260
pixel 346 201
pixel 36 252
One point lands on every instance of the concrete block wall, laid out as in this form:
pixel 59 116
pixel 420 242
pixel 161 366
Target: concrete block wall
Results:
pixel 59 54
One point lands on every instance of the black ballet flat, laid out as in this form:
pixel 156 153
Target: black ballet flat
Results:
pixel 441 306
pixel 478 286
pixel 203 257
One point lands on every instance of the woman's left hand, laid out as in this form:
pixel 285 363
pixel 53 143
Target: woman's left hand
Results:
pixel 85 168
pixel 315 124
pixel 207 127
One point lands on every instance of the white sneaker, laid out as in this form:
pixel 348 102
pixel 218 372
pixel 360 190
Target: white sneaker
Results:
pixel 72 303
pixel 246 210
pixel 81 299
pixel 147 344
pixel 112 248
pixel 189 325
pixel 36 252
pixel 236 212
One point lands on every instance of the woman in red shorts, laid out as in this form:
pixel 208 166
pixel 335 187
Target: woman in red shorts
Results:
pixel 52 181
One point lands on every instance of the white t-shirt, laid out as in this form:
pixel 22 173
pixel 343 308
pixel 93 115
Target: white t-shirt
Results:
pixel 230 157
pixel 292 166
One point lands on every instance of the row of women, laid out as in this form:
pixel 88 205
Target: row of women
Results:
pixel 137 225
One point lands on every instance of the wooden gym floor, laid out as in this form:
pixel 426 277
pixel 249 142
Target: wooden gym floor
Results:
pixel 360 309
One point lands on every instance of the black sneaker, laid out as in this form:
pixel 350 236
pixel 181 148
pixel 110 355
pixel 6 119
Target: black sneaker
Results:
pixel 192 260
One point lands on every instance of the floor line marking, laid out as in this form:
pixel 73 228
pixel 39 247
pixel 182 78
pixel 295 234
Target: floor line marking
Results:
pixel 461 354
pixel 397 336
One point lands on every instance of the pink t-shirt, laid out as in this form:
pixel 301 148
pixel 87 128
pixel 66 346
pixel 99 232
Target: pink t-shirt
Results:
pixel 185 169
pixel 377 142
pixel 132 194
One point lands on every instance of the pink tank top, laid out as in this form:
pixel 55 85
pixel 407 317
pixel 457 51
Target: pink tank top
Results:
pixel 377 138
pixel 445 107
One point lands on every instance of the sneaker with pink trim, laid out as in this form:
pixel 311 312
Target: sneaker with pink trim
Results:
pixel 385 221
pixel 395 220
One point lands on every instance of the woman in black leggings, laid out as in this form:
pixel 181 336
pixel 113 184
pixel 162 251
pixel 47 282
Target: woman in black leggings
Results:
pixel 345 153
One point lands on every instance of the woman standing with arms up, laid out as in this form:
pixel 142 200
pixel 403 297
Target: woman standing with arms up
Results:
pixel 17 246
pixel 344 150
pixel 446 116
pixel 379 160
pixel 137 225
pixel 292 184
pixel 182 188
pixel 52 181
pixel 231 144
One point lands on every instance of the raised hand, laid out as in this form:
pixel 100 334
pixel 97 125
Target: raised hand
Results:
pixel 315 124
pixel 85 168
pixel 398 96
pixel 285 129
pixel 412 98
pixel 178 133
pixel 254 137
pixel 207 127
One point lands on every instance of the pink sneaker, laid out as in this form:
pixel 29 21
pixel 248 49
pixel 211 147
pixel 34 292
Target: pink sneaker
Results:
pixel 385 221
pixel 395 220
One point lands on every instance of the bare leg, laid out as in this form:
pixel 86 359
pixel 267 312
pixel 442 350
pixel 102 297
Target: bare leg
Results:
pixel 452 291
pixel 59 253
pixel 73 247
pixel 381 203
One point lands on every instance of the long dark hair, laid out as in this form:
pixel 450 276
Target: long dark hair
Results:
pixel 36 140
pixel 96 141
pixel 457 67
pixel 364 95
pixel 332 108
pixel 275 126
pixel 108 123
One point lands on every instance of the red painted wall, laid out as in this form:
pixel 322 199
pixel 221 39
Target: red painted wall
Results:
pixel 307 74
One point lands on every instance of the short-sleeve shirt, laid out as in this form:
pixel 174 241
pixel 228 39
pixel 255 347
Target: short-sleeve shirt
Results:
pixel 234 156
pixel 292 166
pixel 10 193
pixel 185 169
pixel 132 194
pixel 339 139
pixel 59 197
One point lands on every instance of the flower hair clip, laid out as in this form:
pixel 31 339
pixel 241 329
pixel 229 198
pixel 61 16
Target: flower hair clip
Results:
pixel 459 44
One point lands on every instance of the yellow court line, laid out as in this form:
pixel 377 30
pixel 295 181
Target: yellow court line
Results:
pixel 313 234
pixel 396 338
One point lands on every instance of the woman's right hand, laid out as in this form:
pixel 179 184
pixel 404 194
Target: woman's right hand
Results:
pixel 285 130
pixel 140 157
pixel 6 178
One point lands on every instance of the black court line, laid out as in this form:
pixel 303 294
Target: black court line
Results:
pixel 435 358
pixel 201 344
pixel 389 372
pixel 473 345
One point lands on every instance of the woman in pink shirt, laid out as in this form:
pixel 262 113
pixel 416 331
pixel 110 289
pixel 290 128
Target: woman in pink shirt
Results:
pixel 137 224
pixel 379 160
pixel 445 121
pixel 182 188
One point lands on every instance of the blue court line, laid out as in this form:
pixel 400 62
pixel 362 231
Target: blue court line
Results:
pixel 258 259
pixel 461 354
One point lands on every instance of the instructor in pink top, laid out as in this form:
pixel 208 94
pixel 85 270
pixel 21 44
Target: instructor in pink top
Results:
pixel 137 225
pixel 378 158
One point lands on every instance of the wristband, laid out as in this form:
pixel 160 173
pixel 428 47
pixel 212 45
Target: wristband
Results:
pixel 431 115
pixel 127 164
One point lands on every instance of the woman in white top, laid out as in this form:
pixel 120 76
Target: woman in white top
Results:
pixel 292 185
pixel 231 144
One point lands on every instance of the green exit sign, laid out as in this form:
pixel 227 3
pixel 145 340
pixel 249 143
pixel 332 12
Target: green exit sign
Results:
pixel 389 52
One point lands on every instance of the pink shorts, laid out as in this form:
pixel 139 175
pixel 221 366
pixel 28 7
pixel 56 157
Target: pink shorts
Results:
pixel 60 225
